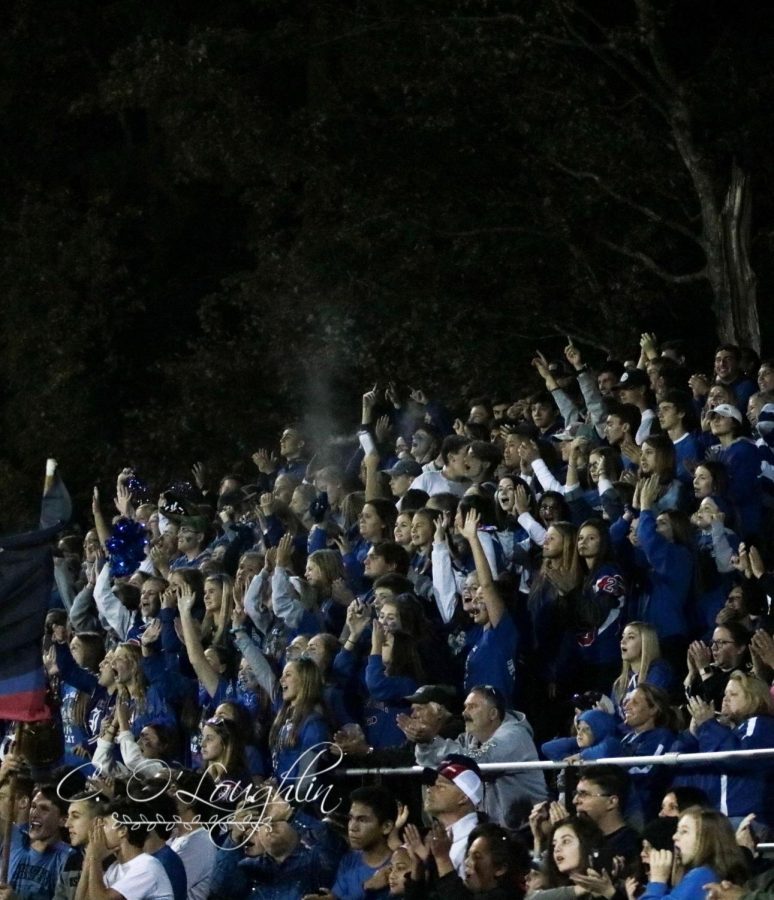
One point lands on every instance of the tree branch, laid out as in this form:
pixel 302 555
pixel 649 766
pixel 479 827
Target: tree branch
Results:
pixel 653 266
pixel 646 211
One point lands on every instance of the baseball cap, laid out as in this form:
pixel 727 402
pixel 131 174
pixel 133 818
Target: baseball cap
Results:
pixel 404 467
pixel 463 772
pixel 633 378
pixel 434 693
pixel 727 411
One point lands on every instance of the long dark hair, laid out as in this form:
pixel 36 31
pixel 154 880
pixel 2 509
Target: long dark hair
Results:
pixel 590 837
pixel 508 852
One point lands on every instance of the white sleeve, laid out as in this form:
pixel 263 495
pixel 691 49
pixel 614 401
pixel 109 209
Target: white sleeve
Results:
pixel 444 582
pixel 110 607
pixel 284 600
pixel 533 528
pixel 252 601
pixel 546 478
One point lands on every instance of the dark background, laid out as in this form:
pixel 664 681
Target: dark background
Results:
pixel 220 216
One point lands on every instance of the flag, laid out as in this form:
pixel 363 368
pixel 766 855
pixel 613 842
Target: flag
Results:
pixel 26 578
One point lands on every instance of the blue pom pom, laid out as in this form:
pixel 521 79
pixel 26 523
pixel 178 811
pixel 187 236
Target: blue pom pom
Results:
pixel 126 547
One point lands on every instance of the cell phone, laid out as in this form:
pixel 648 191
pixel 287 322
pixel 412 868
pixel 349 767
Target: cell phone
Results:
pixel 366 442
pixel 601 860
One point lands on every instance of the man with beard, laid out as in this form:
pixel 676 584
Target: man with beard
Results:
pixel 39 856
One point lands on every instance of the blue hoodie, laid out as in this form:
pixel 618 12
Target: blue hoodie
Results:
pixel 603 729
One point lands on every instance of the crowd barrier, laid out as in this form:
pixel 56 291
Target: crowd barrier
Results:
pixel 664 759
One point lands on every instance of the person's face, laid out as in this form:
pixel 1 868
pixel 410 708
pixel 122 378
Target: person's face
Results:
pixel 188 540
pixel 77 649
pixel 566 850
pixel 721 425
pixel 363 829
pixel 298 503
pixel 370 524
pixel 631 644
pixel 589 542
pixel 719 394
pixel 550 510
pixel 605 382
pixel 113 832
pixel 106 675
pixel 283 489
pixel 500 411
pixel 703 484
pixel 480 871
pixel 590 801
pixel 399 484
pixel 765 379
pixel 469 591
pixel 212 748
pixel 585 735
pixel 430 714
pixel 389 618
pixel 702 518
pixel 150 598
pixel 297 647
pixel 477 713
pixel 213 595
pixel 594 461
pixel 735 600
pixel 149 743
pixel 78 823
pixel 421 444
pixel 553 546
pixel 630 395
pixel 479 612
pixel 374 566
pixel 90 546
pixel 669 809
pixel 212 657
pixel 543 415
pixel 511 450
pixel 402 531
pixel 647 847
pixel 637 713
pixel 421 531
pixel 668 415
pixel 382 595
pixel 615 430
pixel 686 839
pixel 735 704
pixel 443 796
pixel 313 574
pixel 290 443
pixel 754 406
pixel 123 666
pixel 506 493
pixel 45 819
pixel 316 651
pixel 665 528
pixel 456 464
pixel 290 683
pixel 400 868
pixel 725 652
pixel 474 467
pixel 478 414
pixel 648 464
pixel 726 365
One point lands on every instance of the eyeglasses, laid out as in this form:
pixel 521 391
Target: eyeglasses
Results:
pixel 720 643
pixel 582 795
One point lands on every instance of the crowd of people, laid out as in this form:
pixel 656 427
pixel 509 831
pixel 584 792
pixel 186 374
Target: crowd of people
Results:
pixel 577 571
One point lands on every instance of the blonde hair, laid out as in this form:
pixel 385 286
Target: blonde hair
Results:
pixel 214 627
pixel 650 651
pixel 756 693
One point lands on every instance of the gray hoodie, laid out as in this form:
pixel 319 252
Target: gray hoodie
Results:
pixel 508 798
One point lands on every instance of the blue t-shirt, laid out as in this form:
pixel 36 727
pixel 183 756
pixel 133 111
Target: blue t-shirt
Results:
pixel 175 870
pixel 491 659
pixel 352 874
pixel 34 875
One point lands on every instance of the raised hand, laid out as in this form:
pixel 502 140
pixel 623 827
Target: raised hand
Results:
pixel 151 634
pixel 265 462
pixel 123 500
pixel 383 429
pixel 573 355
pixel 470 525
pixel 285 551
pixel 199 473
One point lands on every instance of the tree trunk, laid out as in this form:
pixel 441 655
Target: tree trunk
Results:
pixel 730 274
